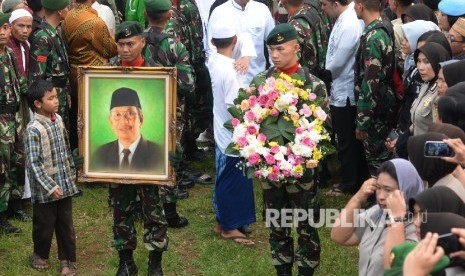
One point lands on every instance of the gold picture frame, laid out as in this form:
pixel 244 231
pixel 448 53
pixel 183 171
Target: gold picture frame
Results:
pixel 101 132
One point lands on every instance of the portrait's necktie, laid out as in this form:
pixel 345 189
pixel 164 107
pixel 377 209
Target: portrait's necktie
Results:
pixel 125 162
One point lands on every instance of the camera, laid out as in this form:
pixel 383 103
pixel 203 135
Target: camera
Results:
pixel 437 149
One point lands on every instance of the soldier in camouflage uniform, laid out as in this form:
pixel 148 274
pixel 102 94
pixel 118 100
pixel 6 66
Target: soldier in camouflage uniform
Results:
pixel 313 34
pixel 168 52
pixel 124 196
pixel 49 57
pixel 374 92
pixel 300 196
pixel 12 88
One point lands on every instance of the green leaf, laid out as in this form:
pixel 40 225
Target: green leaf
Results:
pixel 286 128
pixel 250 173
pixel 228 125
pixel 270 120
pixel 231 150
pixel 235 112
pixel 326 148
pixel 271 131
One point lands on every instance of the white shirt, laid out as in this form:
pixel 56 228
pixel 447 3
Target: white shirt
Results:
pixel 106 14
pixel 340 57
pixel 256 20
pixel 132 149
pixel 225 87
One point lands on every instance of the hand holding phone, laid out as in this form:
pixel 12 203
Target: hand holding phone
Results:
pixel 437 149
pixel 450 243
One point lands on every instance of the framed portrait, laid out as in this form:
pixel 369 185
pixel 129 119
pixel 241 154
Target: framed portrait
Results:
pixel 126 124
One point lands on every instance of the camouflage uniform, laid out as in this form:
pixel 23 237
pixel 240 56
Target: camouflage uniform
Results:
pixel 12 88
pixel 303 196
pixel 123 199
pixel 374 93
pixel 168 52
pixel 313 35
pixel 49 60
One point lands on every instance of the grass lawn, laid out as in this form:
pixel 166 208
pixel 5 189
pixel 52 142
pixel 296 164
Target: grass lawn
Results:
pixel 194 250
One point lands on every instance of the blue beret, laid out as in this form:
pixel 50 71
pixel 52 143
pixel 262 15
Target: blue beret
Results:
pixel 452 7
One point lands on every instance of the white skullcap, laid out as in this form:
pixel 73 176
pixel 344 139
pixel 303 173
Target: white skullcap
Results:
pixel 223 28
pixel 18 14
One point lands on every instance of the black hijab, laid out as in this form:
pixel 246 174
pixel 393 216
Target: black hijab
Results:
pixel 438 199
pixel 429 169
pixel 451 107
pixel 435 53
pixel 419 12
pixel 454 73
pixel 440 38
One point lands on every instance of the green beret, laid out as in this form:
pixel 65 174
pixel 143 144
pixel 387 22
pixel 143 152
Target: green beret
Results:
pixel 281 33
pixel 8 5
pixel 400 252
pixel 125 97
pixel 157 5
pixel 54 5
pixel 4 17
pixel 128 29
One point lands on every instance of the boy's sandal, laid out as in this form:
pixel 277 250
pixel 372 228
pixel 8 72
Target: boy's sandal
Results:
pixel 37 263
pixel 67 269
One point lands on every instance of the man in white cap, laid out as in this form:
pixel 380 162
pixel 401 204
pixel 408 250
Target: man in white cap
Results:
pixel 233 198
pixel 21 28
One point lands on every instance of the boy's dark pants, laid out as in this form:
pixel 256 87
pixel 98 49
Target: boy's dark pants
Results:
pixel 58 216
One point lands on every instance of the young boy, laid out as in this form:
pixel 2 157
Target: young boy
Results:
pixel 52 178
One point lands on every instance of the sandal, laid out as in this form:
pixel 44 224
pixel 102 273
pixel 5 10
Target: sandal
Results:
pixel 335 191
pixel 67 269
pixel 204 179
pixel 37 262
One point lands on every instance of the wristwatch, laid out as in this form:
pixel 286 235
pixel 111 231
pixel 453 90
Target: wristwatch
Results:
pixel 396 219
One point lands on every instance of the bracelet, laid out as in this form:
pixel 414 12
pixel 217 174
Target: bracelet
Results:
pixel 396 219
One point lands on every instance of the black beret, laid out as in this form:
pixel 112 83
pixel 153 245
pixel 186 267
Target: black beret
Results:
pixel 125 97
pixel 128 29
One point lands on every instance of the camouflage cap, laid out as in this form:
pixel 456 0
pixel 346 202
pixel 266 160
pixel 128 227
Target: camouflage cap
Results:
pixel 4 17
pixel 128 29
pixel 54 5
pixel 125 97
pixel 157 5
pixel 281 33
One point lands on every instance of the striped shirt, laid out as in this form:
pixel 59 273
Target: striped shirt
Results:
pixel 48 159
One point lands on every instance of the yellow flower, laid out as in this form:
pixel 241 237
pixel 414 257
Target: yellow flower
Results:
pixel 298 169
pixel 236 147
pixel 317 154
pixel 304 95
pixel 299 82
pixel 318 128
pixel 280 87
pixel 286 118
pixel 273 144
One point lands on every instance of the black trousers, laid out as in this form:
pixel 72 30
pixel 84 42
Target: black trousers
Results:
pixel 354 169
pixel 54 216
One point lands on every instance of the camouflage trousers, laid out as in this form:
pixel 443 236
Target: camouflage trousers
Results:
pixel 155 226
pixel 11 172
pixel 375 149
pixel 301 196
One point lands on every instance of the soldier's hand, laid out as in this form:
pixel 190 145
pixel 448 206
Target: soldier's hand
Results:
pixel 360 135
pixel 176 157
pixel 78 160
pixel 242 65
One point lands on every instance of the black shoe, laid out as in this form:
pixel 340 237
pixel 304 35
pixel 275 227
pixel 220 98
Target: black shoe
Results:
pixel 7 228
pixel 173 219
pixel 185 184
pixel 155 268
pixel 20 215
pixel 127 268
pixel 183 194
pixel 305 271
pixel 284 270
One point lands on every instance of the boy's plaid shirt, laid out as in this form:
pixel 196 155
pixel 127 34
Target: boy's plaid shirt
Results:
pixel 42 184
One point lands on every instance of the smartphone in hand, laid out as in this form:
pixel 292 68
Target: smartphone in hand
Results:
pixel 437 149
pixel 450 243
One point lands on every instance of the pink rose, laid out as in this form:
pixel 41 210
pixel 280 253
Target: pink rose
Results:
pixel 275 169
pixel 312 96
pixel 308 142
pixel 286 173
pixel 273 95
pixel 273 177
pixel 252 130
pixel 249 116
pixel 248 90
pixel 258 174
pixel 274 113
pixel 260 88
pixel 270 159
pixel 271 82
pixel 242 141
pixel 320 113
pixel 299 130
pixel 270 103
pixel 274 149
pixel 235 122
pixel 261 137
pixel 294 101
pixel 299 160
pixel 305 111
pixel 262 99
pixel 254 158
pixel 252 101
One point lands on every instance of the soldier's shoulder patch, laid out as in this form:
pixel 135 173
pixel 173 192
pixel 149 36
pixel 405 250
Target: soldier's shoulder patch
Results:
pixel 42 59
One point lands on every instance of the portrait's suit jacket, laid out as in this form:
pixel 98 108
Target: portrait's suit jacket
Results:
pixel 147 158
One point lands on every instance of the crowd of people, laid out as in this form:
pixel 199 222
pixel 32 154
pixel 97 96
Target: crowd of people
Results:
pixel 389 74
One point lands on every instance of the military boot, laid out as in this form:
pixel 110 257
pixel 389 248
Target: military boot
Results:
pixel 305 271
pixel 6 227
pixel 155 268
pixel 173 219
pixel 284 269
pixel 127 266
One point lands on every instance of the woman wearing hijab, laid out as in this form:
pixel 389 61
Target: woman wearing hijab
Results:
pixel 369 229
pixel 419 12
pixel 450 74
pixel 427 59
pixel 451 107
